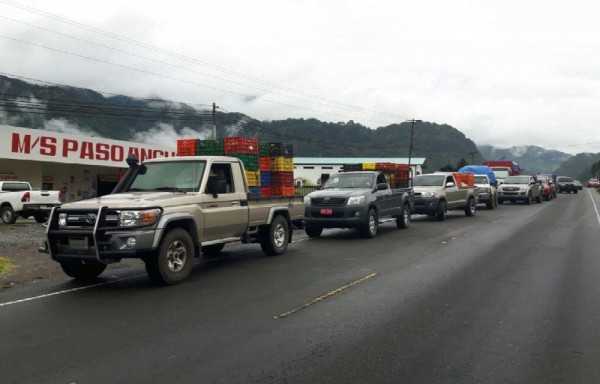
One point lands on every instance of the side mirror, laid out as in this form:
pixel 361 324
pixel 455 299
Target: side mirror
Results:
pixel 382 186
pixel 450 184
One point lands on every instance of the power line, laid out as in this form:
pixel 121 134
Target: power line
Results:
pixel 186 58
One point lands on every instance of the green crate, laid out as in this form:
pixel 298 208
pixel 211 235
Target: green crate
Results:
pixel 250 161
pixel 209 148
pixel 264 149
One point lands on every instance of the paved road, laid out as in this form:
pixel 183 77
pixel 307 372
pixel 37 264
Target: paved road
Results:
pixel 508 296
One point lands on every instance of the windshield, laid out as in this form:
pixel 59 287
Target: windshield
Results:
pixel 170 176
pixel 517 180
pixel 428 180
pixel 481 180
pixel 565 179
pixel 350 180
pixel 542 179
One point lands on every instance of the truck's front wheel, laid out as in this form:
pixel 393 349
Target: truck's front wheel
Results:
pixel 313 230
pixel 441 211
pixel 369 228
pixel 83 269
pixel 8 215
pixel 274 239
pixel 174 260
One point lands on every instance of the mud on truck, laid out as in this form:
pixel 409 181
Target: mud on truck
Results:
pixel 168 212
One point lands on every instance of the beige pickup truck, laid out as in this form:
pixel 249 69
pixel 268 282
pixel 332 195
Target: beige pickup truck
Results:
pixel 167 212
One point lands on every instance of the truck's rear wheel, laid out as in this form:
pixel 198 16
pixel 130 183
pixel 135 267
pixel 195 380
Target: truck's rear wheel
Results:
pixel 274 239
pixel 8 215
pixel 174 259
pixel 83 269
pixel 369 228
pixel 211 251
pixel 404 220
pixel 470 209
pixel 528 199
pixel 441 211
pixel 313 230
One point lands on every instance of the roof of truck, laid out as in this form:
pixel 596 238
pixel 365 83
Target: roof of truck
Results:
pixel 357 160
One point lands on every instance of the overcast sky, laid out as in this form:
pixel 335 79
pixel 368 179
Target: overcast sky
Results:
pixel 504 73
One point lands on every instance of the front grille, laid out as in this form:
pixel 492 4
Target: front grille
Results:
pixel 510 188
pixel 87 219
pixel 328 201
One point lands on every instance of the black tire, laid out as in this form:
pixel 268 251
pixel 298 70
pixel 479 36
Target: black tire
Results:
pixel 441 211
pixel 369 228
pixel 500 202
pixel 274 239
pixel 8 215
pixel 528 199
pixel 211 251
pixel 174 259
pixel 539 199
pixel 84 270
pixel 403 221
pixel 489 204
pixel 575 191
pixel 313 230
pixel 40 217
pixel 470 209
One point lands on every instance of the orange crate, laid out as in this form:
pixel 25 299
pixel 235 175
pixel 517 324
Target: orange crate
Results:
pixel 282 191
pixel 186 147
pixel 264 163
pixel 240 145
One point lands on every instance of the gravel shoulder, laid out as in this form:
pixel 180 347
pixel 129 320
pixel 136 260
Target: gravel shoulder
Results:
pixel 19 245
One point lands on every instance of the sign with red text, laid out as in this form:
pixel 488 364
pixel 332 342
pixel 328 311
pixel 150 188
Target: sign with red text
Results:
pixel 41 145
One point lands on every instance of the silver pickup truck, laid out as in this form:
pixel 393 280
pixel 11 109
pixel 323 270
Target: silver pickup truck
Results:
pixel 167 212
pixel 439 192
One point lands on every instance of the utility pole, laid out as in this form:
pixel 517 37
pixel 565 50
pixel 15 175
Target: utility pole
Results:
pixel 472 157
pixel 410 146
pixel 214 119
pixel 502 158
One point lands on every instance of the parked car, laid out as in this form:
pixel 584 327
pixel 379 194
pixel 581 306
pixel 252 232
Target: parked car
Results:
pixel 547 187
pixel 439 192
pixel 20 199
pixel 519 188
pixel 488 194
pixel 593 183
pixel 566 184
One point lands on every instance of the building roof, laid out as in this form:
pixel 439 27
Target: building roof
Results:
pixel 356 160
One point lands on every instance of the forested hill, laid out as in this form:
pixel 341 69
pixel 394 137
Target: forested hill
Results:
pixel 70 109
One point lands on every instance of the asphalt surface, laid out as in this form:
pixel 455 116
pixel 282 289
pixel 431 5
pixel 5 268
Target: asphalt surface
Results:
pixel 507 296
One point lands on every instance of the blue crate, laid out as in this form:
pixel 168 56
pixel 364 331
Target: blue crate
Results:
pixel 265 179
pixel 254 192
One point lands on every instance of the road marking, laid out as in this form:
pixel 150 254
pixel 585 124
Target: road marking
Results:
pixel 595 207
pixel 323 297
pixel 66 291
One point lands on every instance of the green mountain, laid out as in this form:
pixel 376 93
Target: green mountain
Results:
pixel 579 166
pixel 119 117
pixel 531 158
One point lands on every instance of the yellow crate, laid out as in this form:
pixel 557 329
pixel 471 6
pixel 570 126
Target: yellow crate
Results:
pixel 369 166
pixel 282 164
pixel 253 178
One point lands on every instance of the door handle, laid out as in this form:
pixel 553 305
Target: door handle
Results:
pixel 235 203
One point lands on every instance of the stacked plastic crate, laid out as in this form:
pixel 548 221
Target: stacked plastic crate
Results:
pixel 186 147
pixel 264 165
pixel 246 149
pixel 282 169
pixel 209 148
pixel 397 175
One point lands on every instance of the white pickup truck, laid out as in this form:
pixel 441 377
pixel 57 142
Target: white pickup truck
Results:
pixel 167 212
pixel 18 198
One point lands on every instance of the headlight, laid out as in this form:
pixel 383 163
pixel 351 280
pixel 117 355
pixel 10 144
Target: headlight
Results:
pixel 429 194
pixel 137 218
pixel 522 189
pixel 62 219
pixel 306 200
pixel 485 190
pixel 355 200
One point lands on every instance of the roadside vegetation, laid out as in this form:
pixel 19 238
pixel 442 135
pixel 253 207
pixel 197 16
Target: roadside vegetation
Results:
pixel 4 265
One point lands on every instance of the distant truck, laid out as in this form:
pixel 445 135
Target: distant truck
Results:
pixel 167 212
pixel 520 188
pixel 19 199
pixel 503 169
pixel 439 192
pixel 357 200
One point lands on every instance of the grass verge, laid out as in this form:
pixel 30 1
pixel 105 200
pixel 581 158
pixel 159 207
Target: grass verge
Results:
pixel 4 265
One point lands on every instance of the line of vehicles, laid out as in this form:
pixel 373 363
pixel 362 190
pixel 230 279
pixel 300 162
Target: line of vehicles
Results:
pixel 169 211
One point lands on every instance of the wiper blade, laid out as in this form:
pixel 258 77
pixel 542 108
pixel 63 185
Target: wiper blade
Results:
pixel 169 189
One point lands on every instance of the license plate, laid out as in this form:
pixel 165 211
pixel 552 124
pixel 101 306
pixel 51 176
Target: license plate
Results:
pixel 326 211
pixel 78 243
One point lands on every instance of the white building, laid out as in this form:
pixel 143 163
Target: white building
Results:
pixel 79 166
pixel 313 170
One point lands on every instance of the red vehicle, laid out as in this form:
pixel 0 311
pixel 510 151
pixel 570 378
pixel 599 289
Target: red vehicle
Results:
pixel 593 183
pixel 503 169
pixel 547 187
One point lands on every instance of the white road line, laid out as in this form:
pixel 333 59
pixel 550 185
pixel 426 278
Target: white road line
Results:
pixel 595 207
pixel 66 291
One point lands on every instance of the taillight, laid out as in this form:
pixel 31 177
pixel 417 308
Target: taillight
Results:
pixel 26 197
